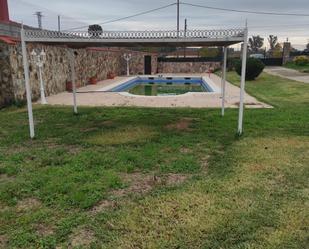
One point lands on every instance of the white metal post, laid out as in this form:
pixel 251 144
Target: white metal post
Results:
pixel 72 63
pixel 27 82
pixel 243 82
pixel 223 83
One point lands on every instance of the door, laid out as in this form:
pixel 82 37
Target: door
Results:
pixel 147 64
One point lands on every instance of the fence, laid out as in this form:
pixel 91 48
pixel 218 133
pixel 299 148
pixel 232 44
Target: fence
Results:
pixel 266 61
pixel 190 59
pixel 272 61
pixel 299 53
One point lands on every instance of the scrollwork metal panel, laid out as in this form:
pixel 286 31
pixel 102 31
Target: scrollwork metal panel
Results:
pixel 110 35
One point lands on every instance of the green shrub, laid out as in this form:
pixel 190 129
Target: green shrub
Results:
pixel 301 60
pixel 231 63
pixel 254 68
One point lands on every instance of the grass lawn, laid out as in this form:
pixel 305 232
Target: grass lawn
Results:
pixel 303 69
pixel 159 178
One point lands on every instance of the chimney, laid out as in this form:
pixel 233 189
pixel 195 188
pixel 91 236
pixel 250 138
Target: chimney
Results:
pixel 4 11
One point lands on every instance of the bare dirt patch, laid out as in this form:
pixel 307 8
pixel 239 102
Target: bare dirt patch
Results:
pixel 181 125
pixel 123 135
pixel 139 183
pixel 89 129
pixel 44 230
pixel 6 178
pixel 205 163
pixel 185 150
pixel 74 150
pixel 106 123
pixel 81 238
pixel 103 205
pixel 3 241
pixel 3 207
pixel 175 179
pixel 27 204
pixel 257 168
pixel 49 143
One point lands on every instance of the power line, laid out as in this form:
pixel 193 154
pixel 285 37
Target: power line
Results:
pixel 49 11
pixel 244 11
pixel 267 26
pixel 128 17
pixel 280 25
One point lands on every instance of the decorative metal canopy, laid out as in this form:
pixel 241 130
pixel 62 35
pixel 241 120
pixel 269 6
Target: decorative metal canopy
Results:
pixel 218 37
pixel 222 37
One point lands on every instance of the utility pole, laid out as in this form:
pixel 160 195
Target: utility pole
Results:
pixel 178 3
pixel 39 16
pixel 185 34
pixel 59 26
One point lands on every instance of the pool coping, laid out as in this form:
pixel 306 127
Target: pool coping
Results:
pixel 89 96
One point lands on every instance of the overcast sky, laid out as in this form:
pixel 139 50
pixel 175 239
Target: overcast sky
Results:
pixel 77 13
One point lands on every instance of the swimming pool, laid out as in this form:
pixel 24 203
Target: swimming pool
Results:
pixel 166 86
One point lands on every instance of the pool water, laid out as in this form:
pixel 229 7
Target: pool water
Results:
pixel 165 89
pixel 165 85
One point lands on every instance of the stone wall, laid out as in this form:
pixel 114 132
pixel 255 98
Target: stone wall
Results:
pixel 137 63
pixel 88 63
pixel 56 72
pixel 187 67
pixel 6 90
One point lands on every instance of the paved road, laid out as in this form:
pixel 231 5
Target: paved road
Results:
pixel 288 73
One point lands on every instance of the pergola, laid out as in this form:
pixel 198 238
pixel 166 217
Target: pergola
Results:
pixel 81 39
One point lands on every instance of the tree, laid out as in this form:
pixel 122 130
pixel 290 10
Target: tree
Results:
pixel 277 51
pixel 256 43
pixel 95 30
pixel 254 68
pixel 307 46
pixel 273 40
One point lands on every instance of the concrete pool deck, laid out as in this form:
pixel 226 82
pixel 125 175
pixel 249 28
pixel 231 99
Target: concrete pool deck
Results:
pixel 90 96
